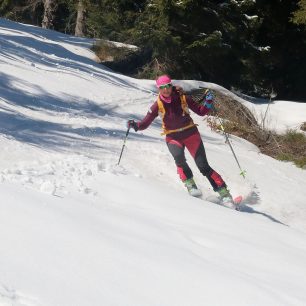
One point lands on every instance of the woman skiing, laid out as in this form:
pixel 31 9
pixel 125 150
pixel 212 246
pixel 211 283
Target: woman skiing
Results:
pixel 181 132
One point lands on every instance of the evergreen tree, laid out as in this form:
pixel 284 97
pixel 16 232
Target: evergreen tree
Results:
pixel 113 19
pixel 154 30
pixel 5 5
pixel 195 40
pixel 249 45
pixel 283 69
pixel 219 40
pixel 22 10
pixel 299 16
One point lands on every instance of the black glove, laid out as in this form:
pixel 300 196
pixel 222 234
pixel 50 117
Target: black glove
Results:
pixel 132 124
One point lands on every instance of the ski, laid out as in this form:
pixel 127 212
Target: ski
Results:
pixel 237 201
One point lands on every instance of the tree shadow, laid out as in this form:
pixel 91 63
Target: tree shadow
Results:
pixel 13 92
pixel 45 48
pixel 19 123
pixel 24 45
pixel 42 33
pixel 58 136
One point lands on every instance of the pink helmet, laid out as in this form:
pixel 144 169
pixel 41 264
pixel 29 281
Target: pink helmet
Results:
pixel 163 80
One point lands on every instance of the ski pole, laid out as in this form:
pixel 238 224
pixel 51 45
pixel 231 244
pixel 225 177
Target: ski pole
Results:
pixel 242 172
pixel 272 96
pixel 125 138
pixel 199 99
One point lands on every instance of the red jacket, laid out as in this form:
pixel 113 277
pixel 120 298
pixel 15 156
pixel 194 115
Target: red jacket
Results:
pixel 174 117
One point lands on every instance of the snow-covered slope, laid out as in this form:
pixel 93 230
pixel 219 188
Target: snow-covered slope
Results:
pixel 76 229
pixel 278 115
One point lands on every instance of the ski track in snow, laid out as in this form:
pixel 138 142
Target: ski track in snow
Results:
pixel 56 177
pixel 11 297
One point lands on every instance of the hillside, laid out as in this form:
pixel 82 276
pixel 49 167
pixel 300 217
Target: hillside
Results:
pixel 76 229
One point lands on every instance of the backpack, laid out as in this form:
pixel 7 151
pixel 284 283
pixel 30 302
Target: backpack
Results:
pixel 162 112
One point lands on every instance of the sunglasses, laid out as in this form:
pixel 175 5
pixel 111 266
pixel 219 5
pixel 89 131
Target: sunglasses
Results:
pixel 165 86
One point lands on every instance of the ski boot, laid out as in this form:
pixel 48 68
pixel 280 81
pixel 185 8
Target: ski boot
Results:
pixel 226 199
pixel 192 188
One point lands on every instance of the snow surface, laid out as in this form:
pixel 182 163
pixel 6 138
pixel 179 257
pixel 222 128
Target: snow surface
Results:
pixel 76 229
pixel 279 115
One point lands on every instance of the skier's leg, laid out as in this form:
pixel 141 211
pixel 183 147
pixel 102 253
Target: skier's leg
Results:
pixel 176 149
pixel 195 146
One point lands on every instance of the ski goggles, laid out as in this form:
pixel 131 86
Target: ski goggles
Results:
pixel 165 86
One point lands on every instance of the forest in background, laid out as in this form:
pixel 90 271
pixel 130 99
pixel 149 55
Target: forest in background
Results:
pixel 253 46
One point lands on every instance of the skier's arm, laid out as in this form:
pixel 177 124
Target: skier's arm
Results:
pixel 148 119
pixel 199 109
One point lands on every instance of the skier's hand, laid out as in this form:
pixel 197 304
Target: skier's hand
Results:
pixel 209 98
pixel 132 124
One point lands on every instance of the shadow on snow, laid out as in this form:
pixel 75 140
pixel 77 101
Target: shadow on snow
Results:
pixel 254 198
pixel 51 135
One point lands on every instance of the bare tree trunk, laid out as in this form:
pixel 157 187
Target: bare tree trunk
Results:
pixel 49 13
pixel 80 21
